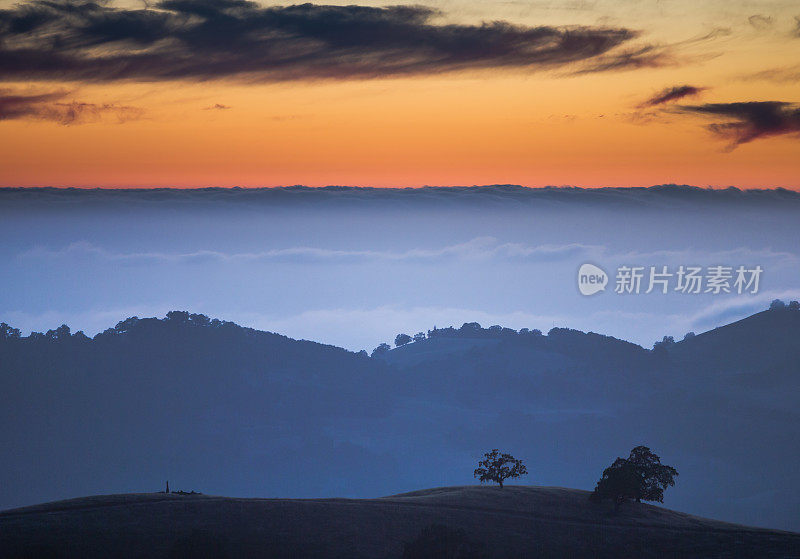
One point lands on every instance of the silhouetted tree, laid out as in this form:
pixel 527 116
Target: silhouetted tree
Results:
pixel 499 467
pixel 665 342
pixel 381 349
pixel 470 327
pixel 126 325
pixel 641 476
pixel 794 305
pixel 620 482
pixel 8 333
pixel 178 317
pixel 80 336
pixel 402 339
pixel 60 333
pixel 419 337
pixel 777 305
pixel 199 320
pixel 689 336
pixel 656 477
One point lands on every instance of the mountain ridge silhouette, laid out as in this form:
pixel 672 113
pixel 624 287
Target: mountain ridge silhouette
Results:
pixel 222 408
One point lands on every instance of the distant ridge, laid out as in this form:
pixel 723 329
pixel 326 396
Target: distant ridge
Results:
pixel 769 326
pixel 498 196
pixel 223 409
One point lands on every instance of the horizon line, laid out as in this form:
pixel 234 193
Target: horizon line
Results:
pixel 664 186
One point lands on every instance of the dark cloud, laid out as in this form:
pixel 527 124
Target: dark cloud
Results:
pixel 716 33
pixel 796 31
pixel 760 22
pixel 672 94
pixel 786 74
pixel 647 56
pixel 217 107
pixel 52 106
pixel 211 39
pixel 14 106
pixel 751 120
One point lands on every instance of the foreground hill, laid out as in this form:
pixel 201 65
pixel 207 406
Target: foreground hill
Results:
pixel 515 521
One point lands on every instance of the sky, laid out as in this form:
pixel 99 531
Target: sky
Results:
pixel 194 93
pixel 355 267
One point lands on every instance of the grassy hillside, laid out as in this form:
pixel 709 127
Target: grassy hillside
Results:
pixel 762 342
pixel 515 521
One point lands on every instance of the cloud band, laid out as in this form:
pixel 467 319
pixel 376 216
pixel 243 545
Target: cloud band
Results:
pixel 224 39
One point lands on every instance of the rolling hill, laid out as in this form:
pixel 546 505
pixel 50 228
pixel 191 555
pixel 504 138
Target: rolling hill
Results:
pixel 516 521
pixel 229 410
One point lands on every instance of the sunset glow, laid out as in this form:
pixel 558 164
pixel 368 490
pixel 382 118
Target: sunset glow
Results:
pixel 566 123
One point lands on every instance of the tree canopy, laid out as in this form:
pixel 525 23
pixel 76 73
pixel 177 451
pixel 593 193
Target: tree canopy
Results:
pixel 641 476
pixel 498 467
pixel 402 339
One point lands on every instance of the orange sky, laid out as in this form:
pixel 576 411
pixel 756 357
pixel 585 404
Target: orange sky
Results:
pixel 478 127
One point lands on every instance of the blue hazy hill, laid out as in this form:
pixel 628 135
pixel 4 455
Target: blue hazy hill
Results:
pixel 229 410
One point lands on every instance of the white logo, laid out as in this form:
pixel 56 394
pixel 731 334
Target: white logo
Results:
pixel 591 279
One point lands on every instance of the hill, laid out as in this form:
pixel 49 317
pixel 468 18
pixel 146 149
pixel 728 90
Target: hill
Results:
pixel 516 521
pixel 183 394
pixel 757 344
pixel 722 403
pixel 219 408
